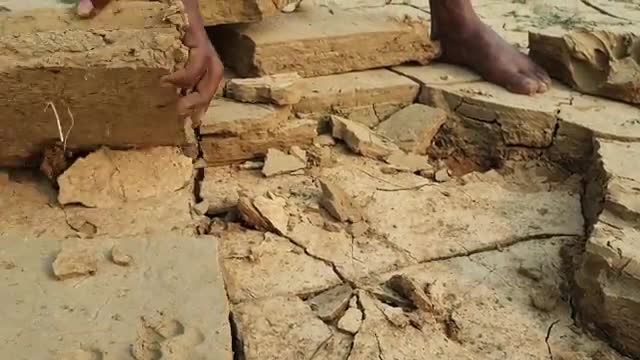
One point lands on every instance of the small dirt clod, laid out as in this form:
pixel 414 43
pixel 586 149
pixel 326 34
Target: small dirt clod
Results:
pixel 75 261
pixel 338 203
pixel 119 257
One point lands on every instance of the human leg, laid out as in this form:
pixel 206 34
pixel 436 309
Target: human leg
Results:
pixel 467 41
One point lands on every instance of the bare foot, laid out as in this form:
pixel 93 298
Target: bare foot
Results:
pixel 467 41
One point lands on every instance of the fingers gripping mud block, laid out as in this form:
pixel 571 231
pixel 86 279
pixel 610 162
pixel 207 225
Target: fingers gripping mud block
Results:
pixel 89 82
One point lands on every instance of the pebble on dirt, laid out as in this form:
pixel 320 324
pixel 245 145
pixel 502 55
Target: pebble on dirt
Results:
pixel 75 261
pixel 119 257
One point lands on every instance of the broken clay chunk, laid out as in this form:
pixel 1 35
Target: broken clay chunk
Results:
pixel 338 203
pixel 119 257
pixel 329 305
pixel 360 139
pixel 265 213
pixel 251 215
pixel 75 262
pixel 280 89
pixel 409 289
pixel 352 318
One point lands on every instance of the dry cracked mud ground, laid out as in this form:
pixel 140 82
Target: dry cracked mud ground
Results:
pixel 510 233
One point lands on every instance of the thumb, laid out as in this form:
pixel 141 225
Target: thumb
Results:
pixel 85 8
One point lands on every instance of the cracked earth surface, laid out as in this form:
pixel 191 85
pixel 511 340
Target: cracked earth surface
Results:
pixel 531 243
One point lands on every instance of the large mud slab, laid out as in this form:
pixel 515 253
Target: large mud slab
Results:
pixel 102 77
pixel 317 41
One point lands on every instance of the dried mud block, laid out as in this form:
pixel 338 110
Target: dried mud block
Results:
pixel 488 211
pixel 331 304
pixel 280 89
pixel 360 139
pixel 366 93
pixel 338 203
pixel 608 276
pixel 258 265
pixel 216 12
pixel 595 62
pixel 459 289
pixel 279 328
pixel 608 286
pixel 168 213
pixel 265 212
pixel 101 75
pixel 75 261
pixel 227 118
pixel 164 307
pixel 109 178
pixel 348 40
pixel 523 121
pixel 620 162
pixel 227 150
pixel 414 127
pixel 352 318
pixel 277 163
pixel 607 119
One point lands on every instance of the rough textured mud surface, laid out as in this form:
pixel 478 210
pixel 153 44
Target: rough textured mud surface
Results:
pixel 513 237
pixel 608 276
pixel 149 309
pixel 108 178
pixel 592 61
pixel 101 79
pixel 318 41
pixel 215 12
pixel 281 89
pixel 219 150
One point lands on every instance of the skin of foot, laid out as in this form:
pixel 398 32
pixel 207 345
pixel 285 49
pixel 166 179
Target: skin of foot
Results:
pixel 203 72
pixel 465 40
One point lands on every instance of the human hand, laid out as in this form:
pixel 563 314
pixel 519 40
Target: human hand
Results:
pixel 203 72
pixel 201 76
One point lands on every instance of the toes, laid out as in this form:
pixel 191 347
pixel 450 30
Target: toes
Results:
pixel 520 84
pixel 543 77
pixel 529 82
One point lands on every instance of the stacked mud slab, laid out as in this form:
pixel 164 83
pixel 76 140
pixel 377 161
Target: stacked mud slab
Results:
pixel 89 83
pixel 95 82
pixel 324 61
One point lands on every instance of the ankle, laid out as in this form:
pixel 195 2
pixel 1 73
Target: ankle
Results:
pixel 454 19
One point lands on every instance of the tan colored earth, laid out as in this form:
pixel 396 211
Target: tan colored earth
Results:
pixel 367 209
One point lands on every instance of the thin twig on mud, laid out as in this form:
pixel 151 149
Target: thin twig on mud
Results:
pixel 66 137
pixel 602 11
pixel 63 137
pixel 377 177
pixel 546 339
pixel 55 113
